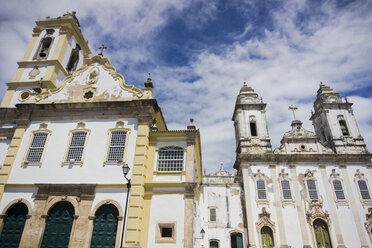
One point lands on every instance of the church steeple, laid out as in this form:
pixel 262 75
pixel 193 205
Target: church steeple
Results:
pixel 249 118
pixel 57 48
pixel 335 123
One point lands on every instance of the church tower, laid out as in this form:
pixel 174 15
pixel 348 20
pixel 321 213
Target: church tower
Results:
pixel 251 133
pixel 335 123
pixel 57 48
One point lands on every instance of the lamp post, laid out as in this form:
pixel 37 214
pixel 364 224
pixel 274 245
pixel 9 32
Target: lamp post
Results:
pixel 202 234
pixel 125 169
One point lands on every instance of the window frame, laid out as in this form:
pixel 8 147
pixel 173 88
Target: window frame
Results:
pixel 80 128
pixel 309 176
pixel 209 214
pixel 333 177
pixel 360 176
pixel 214 240
pixel 158 236
pixel 42 129
pixel 119 127
pixel 169 171
pixel 261 176
pixel 48 34
pixel 283 176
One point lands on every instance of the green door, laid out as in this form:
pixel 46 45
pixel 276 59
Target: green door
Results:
pixel 58 226
pixel 236 240
pixel 13 226
pixel 322 237
pixel 105 227
pixel 267 237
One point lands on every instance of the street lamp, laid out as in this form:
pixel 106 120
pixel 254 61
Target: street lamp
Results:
pixel 202 233
pixel 125 169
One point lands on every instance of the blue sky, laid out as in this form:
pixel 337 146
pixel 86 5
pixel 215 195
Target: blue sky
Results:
pixel 200 52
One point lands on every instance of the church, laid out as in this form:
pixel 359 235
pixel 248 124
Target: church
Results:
pixel 88 161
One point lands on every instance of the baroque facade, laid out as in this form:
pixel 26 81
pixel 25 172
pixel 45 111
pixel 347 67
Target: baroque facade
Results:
pixel 70 127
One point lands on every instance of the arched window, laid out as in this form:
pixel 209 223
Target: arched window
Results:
pixel 13 226
pixel 170 158
pixel 45 45
pixel 261 189
pixel 213 244
pixel 339 191
pixel 311 188
pixel 363 188
pixel 74 59
pixel 267 237
pixel 236 240
pixel 343 126
pixel 321 234
pixel 58 225
pixel 105 227
pixel 286 189
pixel 253 127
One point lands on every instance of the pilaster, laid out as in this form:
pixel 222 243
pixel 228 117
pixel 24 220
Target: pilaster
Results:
pixel 248 203
pixel 358 223
pixel 11 155
pixel 135 210
pixel 300 207
pixel 278 208
pixel 332 207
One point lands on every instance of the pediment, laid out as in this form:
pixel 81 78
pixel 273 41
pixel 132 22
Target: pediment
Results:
pixel 96 81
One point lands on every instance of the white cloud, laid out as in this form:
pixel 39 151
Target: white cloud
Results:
pixel 284 67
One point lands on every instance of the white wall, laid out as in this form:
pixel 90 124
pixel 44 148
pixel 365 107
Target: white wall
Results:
pixel 93 169
pixel 164 212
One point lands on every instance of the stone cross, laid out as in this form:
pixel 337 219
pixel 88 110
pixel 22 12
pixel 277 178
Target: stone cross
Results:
pixel 293 108
pixel 102 47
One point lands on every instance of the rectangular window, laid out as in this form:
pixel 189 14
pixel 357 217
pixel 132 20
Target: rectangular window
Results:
pixel 253 128
pixel 165 233
pixel 76 148
pixel 170 158
pixel 36 148
pixel 261 189
pixel 286 189
pixel 212 214
pixel 311 187
pixel 117 146
pixel 364 190
pixel 337 185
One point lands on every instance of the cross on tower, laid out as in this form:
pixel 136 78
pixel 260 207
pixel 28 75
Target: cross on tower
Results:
pixel 102 47
pixel 293 108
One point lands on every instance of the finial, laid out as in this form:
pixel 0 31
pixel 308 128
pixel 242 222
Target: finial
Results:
pixel 191 126
pixel 293 108
pixel 102 47
pixel 312 112
pixel 245 84
pixel 346 100
pixel 205 171
pixel 148 83
pixel 221 166
pixel 321 84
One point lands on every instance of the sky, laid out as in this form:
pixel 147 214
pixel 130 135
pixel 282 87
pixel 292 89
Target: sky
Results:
pixel 200 52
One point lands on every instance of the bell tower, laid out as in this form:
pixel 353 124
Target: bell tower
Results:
pixel 335 124
pixel 57 48
pixel 251 133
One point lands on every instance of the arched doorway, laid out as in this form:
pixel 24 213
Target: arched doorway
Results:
pixel 13 226
pixel 236 240
pixel 105 227
pixel 267 237
pixel 323 240
pixel 58 226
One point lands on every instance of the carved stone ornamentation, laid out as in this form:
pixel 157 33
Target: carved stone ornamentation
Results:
pixel 34 72
pixel 316 211
pixel 368 223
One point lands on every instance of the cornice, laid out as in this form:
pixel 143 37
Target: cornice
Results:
pixel 303 158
